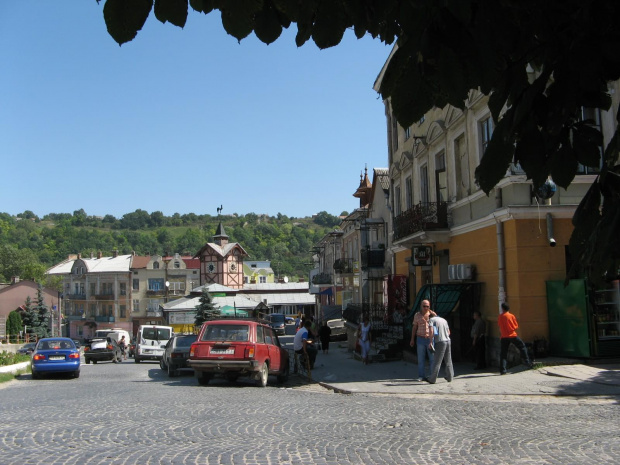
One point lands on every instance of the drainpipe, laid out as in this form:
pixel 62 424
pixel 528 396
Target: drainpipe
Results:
pixel 501 256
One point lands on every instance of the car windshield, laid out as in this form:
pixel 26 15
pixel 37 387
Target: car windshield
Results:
pixel 185 341
pixel 226 333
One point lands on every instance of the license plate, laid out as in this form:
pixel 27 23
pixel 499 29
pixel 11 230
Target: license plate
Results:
pixel 222 351
pixel 57 357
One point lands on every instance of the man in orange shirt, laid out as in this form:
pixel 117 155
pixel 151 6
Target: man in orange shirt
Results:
pixel 507 328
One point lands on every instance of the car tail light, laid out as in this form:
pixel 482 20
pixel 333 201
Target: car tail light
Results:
pixel 86 349
pixel 249 352
pixel 176 355
pixel 38 357
pixel 110 347
pixel 192 350
pixel 74 355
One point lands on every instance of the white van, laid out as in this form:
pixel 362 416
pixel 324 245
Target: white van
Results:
pixel 151 341
pixel 114 333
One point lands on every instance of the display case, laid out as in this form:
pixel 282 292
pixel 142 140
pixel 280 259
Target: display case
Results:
pixel 607 312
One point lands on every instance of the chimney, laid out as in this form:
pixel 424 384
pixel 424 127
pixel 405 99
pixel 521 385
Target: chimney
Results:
pixel 114 253
pixel 99 254
pixel 14 279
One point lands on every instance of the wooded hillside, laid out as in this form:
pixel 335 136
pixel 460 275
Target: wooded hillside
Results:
pixel 29 244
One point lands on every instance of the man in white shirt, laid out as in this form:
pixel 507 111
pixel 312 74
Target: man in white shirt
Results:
pixel 302 344
pixel 443 349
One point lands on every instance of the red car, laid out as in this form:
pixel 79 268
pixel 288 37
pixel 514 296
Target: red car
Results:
pixel 240 347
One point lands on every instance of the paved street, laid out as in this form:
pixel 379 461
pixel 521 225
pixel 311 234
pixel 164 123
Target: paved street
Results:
pixel 133 414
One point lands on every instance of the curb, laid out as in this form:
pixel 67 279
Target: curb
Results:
pixel 14 368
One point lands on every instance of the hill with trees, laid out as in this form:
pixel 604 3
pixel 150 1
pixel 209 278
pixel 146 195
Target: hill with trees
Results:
pixel 29 244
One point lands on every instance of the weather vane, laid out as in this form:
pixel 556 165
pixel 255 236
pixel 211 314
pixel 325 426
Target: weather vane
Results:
pixel 219 210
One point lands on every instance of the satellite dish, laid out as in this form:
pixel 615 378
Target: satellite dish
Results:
pixel 546 190
pixel 286 279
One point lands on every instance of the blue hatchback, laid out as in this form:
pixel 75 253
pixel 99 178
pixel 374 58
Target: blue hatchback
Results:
pixel 55 355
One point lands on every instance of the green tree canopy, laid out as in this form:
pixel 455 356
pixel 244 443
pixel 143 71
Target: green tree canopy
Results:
pixel 540 62
pixel 14 323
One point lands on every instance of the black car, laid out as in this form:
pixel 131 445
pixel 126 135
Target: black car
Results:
pixel 27 349
pixel 176 353
pixel 277 321
pixel 102 349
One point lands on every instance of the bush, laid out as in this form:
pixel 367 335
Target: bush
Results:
pixel 9 358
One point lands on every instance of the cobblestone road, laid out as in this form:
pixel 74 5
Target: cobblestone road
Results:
pixel 131 414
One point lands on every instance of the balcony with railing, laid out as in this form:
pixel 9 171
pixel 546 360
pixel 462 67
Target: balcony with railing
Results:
pixel 322 278
pixel 155 292
pixel 373 258
pixel 153 313
pixel 75 296
pixel 104 319
pixel 429 216
pixel 345 266
pixel 104 296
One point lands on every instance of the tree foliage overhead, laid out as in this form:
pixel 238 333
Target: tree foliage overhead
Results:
pixel 446 49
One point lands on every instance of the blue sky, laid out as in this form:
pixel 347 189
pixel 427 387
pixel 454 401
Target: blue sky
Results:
pixel 180 120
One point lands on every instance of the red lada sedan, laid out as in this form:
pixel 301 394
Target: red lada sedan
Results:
pixel 240 347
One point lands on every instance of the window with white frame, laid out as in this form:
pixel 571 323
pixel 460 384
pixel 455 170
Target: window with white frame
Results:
pixel 136 284
pixel 424 184
pixel 262 279
pixel 441 180
pixel 486 132
pixel 123 288
pixel 397 200
pixel 407 132
pixel 136 305
pixel 408 193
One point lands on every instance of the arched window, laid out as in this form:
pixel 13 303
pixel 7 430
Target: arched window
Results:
pixel 156 265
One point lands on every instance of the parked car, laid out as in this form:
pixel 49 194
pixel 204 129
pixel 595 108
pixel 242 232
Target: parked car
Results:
pixel 55 355
pixel 290 320
pixel 27 349
pixel 278 322
pixel 236 348
pixel 102 349
pixel 338 329
pixel 176 353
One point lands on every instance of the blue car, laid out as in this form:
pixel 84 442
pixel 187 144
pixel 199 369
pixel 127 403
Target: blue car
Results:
pixel 55 355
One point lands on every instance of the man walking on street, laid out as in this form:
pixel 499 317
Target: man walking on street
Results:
pixel 478 344
pixel 421 335
pixel 507 328
pixel 443 349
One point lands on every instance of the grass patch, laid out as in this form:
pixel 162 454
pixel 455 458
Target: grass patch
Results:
pixel 10 358
pixel 6 377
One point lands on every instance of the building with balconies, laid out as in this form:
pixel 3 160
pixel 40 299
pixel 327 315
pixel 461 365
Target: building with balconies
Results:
pixel 467 250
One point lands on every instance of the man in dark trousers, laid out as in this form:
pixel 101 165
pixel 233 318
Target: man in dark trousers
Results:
pixel 478 335
pixel 507 328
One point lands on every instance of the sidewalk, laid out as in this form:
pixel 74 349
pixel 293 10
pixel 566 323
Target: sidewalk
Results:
pixel 341 372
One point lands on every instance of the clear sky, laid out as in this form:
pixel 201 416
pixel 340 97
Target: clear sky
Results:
pixel 180 120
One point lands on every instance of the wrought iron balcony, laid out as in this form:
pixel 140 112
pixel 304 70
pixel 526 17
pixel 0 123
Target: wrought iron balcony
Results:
pixel 158 292
pixel 421 217
pixel 322 278
pixel 373 258
pixel 344 266
pixel 104 297
pixel 104 319
pixel 75 296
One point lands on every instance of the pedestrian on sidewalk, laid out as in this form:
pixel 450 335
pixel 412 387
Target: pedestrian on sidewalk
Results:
pixel 440 340
pixel 507 327
pixel 421 336
pixel 325 333
pixel 364 338
pixel 478 344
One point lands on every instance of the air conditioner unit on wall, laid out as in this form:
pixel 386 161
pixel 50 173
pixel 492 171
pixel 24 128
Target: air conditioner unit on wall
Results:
pixel 452 270
pixel 461 271
pixel 464 271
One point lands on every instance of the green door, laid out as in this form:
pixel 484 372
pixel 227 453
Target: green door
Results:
pixel 567 307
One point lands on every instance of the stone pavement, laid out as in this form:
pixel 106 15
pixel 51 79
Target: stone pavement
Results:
pixel 340 371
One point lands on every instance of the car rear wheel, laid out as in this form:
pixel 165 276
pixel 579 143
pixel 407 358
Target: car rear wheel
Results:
pixel 162 364
pixel 136 359
pixel 87 361
pixel 171 372
pixel 95 362
pixel 283 377
pixel 36 375
pixel 203 378
pixel 76 374
pixel 263 375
